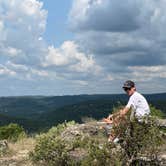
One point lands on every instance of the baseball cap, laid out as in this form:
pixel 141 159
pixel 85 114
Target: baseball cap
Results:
pixel 128 84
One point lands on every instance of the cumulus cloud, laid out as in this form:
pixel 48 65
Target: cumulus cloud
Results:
pixel 149 73
pixel 104 15
pixel 22 22
pixel 115 40
pixel 5 71
pixel 69 57
pixel 126 37
pixel 25 55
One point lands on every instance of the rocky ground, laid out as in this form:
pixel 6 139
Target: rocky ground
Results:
pixel 17 154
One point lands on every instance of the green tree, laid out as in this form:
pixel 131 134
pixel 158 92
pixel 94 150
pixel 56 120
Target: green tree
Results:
pixel 11 132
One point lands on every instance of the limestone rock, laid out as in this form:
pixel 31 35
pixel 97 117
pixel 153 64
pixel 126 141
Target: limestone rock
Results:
pixel 3 146
pixel 88 129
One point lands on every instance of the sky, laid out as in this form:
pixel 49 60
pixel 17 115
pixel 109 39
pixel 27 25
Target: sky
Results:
pixel 72 47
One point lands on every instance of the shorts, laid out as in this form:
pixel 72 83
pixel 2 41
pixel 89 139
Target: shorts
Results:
pixel 142 119
pixel 108 129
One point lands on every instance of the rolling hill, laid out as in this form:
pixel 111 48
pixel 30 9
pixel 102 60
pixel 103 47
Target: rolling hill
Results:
pixel 39 112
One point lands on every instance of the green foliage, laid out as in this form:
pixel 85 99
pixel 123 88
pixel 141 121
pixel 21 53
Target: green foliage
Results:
pixel 156 112
pixel 137 139
pixel 37 113
pixel 11 132
pixel 51 151
pixel 50 148
pixel 100 154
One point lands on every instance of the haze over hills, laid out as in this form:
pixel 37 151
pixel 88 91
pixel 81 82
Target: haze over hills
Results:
pixel 40 112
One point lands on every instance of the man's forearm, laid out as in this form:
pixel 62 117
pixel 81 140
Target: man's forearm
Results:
pixel 124 111
pixel 121 113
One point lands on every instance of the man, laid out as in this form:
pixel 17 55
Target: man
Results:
pixel 137 103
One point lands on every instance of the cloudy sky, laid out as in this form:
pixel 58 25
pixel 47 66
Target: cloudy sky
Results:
pixel 81 46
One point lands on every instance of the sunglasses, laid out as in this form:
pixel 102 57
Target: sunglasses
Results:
pixel 126 89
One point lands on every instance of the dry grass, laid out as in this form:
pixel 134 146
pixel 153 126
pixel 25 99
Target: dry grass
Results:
pixel 23 144
pixel 18 153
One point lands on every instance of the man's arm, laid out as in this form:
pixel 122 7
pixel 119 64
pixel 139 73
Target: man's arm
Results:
pixel 121 113
pixel 124 111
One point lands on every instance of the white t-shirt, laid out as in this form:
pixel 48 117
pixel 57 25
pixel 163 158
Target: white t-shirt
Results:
pixel 139 104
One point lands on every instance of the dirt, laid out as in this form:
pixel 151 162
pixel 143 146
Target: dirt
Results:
pixel 20 158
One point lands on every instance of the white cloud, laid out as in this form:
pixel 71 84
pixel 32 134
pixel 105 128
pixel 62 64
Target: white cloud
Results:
pixel 1 26
pixel 109 77
pixel 24 51
pixel 41 73
pixel 6 72
pixel 71 58
pixel 112 14
pixel 80 82
pixel 12 52
pixel 114 41
pixel 126 38
pixel 54 57
pixel 22 23
pixel 17 67
pixel 148 73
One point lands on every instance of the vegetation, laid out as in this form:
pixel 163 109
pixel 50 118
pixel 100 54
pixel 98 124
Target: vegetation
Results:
pixel 156 112
pixel 38 113
pixel 11 132
pixel 90 147
pixel 137 140
pixel 50 148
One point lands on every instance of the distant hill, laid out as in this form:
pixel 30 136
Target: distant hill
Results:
pixel 32 106
pixel 39 112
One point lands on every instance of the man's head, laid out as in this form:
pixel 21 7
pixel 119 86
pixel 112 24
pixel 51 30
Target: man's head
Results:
pixel 129 87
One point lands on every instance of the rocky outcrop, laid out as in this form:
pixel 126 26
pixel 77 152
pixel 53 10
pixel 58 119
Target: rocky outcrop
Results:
pixel 161 122
pixel 96 128
pixel 3 146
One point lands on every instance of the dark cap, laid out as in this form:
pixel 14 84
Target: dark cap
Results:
pixel 128 84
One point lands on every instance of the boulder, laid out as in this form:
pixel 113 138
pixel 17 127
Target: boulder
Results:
pixel 3 146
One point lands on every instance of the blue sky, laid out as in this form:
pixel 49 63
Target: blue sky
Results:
pixel 81 46
pixel 57 29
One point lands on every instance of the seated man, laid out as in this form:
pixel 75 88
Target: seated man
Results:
pixel 137 103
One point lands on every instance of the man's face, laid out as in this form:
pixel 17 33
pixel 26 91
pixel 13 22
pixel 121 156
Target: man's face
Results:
pixel 129 91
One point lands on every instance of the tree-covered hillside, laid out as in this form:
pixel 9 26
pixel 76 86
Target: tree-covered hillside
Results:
pixel 40 113
pixel 32 106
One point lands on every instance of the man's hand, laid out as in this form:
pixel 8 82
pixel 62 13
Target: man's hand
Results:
pixel 110 116
pixel 108 121
pixel 124 111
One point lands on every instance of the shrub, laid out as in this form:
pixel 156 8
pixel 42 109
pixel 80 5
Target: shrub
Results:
pixel 136 140
pixel 50 148
pixel 156 112
pixel 51 151
pixel 101 154
pixel 11 132
pixel 139 138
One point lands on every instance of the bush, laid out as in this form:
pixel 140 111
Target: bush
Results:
pixel 136 140
pixel 11 132
pixel 139 139
pixel 100 154
pixel 50 148
pixel 156 112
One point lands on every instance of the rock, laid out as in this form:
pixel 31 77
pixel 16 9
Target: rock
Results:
pixel 78 154
pixel 78 130
pixel 161 122
pixel 162 159
pixel 3 146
